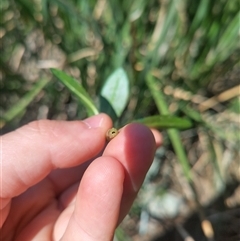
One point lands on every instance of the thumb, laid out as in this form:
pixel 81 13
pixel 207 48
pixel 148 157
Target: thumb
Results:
pixel 31 152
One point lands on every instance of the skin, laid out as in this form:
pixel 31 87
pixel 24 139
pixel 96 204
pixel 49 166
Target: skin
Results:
pixel 56 186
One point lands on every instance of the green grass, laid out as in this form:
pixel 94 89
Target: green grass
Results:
pixel 169 54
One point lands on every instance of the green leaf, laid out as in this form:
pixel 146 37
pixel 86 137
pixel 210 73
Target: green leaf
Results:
pixel 23 102
pixel 78 90
pixel 164 122
pixel 116 90
pixel 106 107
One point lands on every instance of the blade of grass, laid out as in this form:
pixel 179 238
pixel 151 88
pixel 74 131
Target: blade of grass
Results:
pixel 202 11
pixel 23 102
pixel 173 133
pixel 169 20
pixel 78 90
pixel 229 38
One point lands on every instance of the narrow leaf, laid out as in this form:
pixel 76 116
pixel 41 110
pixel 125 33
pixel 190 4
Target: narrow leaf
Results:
pixel 164 122
pixel 77 89
pixel 116 90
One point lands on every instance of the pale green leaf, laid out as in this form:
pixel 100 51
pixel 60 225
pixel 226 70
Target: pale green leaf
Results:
pixel 116 90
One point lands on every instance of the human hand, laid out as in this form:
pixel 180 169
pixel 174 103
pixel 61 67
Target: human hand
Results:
pixel 56 186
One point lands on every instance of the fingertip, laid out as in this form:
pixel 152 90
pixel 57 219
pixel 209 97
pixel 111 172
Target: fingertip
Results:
pixel 140 138
pixel 134 147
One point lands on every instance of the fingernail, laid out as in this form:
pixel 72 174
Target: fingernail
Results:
pixel 94 121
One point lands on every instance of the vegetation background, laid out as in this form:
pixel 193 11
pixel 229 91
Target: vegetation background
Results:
pixel 181 58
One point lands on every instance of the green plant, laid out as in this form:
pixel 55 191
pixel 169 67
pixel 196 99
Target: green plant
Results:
pixel 165 60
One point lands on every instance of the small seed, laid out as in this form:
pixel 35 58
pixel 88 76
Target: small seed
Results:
pixel 111 133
